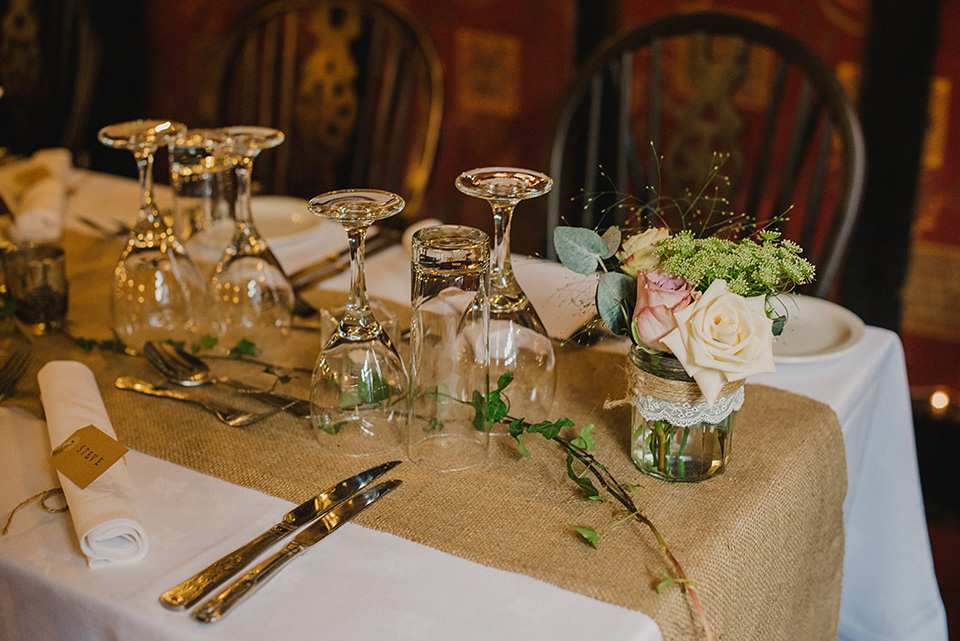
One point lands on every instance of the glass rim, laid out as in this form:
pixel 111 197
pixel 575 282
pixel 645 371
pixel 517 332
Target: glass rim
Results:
pixel 34 251
pixel 450 231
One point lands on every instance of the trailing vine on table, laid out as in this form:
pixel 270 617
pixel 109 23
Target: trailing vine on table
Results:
pixel 493 408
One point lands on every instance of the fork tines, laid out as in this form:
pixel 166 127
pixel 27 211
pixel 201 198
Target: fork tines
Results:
pixel 13 369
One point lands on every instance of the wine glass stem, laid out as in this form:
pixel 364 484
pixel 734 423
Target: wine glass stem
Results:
pixel 243 170
pixel 144 157
pixel 501 273
pixel 357 304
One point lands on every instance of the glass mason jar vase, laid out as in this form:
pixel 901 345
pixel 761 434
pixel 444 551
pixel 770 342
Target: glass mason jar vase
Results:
pixel 675 435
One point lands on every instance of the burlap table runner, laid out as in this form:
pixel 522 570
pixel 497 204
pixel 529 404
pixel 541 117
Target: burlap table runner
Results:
pixel 764 542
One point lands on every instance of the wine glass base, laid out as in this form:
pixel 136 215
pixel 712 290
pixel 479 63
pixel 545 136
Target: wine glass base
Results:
pixel 449 452
pixel 358 435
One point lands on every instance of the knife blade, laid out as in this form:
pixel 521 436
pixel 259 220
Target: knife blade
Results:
pixel 290 404
pixel 189 592
pixel 340 262
pixel 218 606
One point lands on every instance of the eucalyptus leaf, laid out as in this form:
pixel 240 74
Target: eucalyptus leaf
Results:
pixel 580 250
pixel 612 238
pixel 778 324
pixel 616 298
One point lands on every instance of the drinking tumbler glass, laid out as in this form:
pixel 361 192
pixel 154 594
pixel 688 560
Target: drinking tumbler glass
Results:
pixel 449 351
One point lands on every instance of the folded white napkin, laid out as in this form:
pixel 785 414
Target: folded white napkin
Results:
pixel 104 513
pixel 36 191
pixel 564 300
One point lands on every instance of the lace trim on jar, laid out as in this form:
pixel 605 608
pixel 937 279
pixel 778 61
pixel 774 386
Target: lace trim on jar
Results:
pixel 687 413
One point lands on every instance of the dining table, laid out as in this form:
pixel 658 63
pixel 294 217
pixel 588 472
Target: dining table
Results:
pixel 816 530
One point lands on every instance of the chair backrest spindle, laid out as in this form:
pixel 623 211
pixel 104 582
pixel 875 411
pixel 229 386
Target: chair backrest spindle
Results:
pixel 713 83
pixel 356 85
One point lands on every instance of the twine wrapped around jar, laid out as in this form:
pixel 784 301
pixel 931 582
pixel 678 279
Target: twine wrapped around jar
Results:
pixel 641 382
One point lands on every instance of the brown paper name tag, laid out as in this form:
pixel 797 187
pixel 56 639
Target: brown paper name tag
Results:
pixel 86 454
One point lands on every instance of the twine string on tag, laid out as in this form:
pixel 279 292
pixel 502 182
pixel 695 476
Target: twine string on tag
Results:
pixel 41 498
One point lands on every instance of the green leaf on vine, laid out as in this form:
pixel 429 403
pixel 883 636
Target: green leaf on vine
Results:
pixel 244 348
pixel 283 379
pixel 671 581
pixel 550 429
pixel 585 484
pixel 585 440
pixel 516 431
pixel 481 421
pixel 206 342
pixel 588 533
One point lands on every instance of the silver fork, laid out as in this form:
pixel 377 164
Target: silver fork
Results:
pixel 232 416
pixel 13 369
pixel 186 370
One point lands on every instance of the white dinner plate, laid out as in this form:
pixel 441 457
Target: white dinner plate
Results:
pixel 282 219
pixel 816 330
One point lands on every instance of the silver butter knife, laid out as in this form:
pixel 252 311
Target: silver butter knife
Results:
pixel 337 263
pixel 219 605
pixel 292 405
pixel 199 585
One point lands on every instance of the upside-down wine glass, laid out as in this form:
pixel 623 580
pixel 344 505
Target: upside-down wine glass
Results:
pixel 518 341
pixel 252 291
pixel 158 293
pixel 357 393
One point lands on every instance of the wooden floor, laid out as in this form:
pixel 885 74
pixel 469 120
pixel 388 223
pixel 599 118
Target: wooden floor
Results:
pixel 938 445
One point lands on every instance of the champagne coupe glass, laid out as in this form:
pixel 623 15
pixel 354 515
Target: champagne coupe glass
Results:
pixel 252 291
pixel 357 393
pixel 158 293
pixel 518 340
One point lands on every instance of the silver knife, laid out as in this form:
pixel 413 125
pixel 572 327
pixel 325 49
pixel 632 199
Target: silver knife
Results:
pixel 219 605
pixel 290 404
pixel 340 262
pixel 199 585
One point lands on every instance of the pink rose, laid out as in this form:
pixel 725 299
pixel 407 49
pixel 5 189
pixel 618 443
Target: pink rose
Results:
pixel 659 296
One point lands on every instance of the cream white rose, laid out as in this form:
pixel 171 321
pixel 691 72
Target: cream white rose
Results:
pixel 637 253
pixel 722 337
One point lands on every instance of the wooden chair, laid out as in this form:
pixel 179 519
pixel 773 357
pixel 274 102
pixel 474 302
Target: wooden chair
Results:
pixel 50 57
pixel 356 85
pixel 648 109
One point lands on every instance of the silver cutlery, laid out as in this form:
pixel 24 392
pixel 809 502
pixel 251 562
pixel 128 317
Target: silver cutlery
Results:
pixel 117 230
pixel 338 262
pixel 218 606
pixel 232 416
pixel 14 368
pixel 185 369
pixel 189 592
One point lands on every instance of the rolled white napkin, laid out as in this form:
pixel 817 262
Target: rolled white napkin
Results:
pixel 104 513
pixel 36 191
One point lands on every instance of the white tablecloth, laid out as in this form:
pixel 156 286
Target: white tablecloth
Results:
pixel 366 584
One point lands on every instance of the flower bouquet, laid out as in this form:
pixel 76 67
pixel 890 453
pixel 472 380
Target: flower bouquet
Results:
pixel 699 312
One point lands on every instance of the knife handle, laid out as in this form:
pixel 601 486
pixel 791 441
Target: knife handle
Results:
pixel 202 583
pixel 218 606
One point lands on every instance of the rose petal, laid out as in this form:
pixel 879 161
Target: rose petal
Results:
pixel 722 337
pixel 653 323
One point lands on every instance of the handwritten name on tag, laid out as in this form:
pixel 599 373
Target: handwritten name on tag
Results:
pixel 86 454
